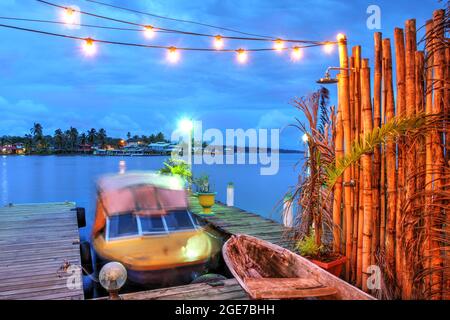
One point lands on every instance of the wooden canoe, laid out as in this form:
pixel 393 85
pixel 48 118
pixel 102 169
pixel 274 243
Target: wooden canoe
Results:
pixel 267 271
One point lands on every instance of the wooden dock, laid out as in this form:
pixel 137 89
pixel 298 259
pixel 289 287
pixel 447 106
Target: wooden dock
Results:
pixel 35 241
pixel 232 220
pixel 229 290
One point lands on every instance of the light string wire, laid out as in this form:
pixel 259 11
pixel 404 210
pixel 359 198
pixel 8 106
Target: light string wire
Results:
pixel 179 20
pixel 184 32
pixel 146 45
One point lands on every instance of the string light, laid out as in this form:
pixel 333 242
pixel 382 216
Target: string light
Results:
pixel 149 32
pixel 242 56
pixel 89 47
pixel 173 55
pixel 69 16
pixel 255 38
pixel 218 42
pixel 278 45
pixel 328 48
pixel 296 54
pixel 340 37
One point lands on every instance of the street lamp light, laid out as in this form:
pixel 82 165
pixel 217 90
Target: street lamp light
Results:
pixel 112 277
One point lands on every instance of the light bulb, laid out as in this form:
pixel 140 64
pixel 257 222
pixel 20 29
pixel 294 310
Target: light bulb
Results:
pixel 69 16
pixel 278 45
pixel 173 55
pixel 242 56
pixel 296 53
pixel 89 47
pixel 149 32
pixel 340 37
pixel 218 42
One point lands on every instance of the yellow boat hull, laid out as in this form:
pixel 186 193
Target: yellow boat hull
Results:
pixel 162 259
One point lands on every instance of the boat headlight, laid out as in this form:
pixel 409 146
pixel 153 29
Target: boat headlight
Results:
pixel 196 246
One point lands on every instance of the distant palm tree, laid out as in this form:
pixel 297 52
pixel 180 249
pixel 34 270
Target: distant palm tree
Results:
pixel 73 137
pixel 160 137
pixel 83 138
pixel 36 131
pixel 38 136
pixel 59 139
pixel 91 136
pixel 102 137
pixel 129 135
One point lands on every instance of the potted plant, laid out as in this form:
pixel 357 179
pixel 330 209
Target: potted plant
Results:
pixel 206 197
pixel 321 255
pixel 314 215
pixel 180 168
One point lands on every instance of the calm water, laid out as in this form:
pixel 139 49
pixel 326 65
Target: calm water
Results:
pixel 31 179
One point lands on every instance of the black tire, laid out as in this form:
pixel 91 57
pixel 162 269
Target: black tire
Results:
pixel 81 217
pixel 211 278
pixel 86 257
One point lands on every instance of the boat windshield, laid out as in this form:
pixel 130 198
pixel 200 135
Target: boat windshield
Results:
pixel 129 225
pixel 179 220
pixel 123 225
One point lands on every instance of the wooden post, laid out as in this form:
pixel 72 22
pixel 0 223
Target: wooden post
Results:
pixel 401 111
pixel 354 81
pixel 410 159
pixel 378 231
pixel 438 157
pixel 428 158
pixel 337 200
pixel 366 161
pixel 391 174
pixel 345 109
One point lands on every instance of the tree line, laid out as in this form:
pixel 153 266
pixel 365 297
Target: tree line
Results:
pixel 70 140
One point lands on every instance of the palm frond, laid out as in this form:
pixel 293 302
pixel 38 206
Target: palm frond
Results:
pixel 366 143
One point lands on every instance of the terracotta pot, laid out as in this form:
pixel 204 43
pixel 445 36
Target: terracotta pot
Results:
pixel 334 267
pixel 207 200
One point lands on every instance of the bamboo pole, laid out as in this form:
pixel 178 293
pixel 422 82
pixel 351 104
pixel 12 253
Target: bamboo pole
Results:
pixel 438 157
pixel 401 111
pixel 345 105
pixel 337 200
pixel 366 161
pixel 429 242
pixel 354 169
pixel 420 150
pixel 391 174
pixel 410 161
pixel 358 212
pixel 378 233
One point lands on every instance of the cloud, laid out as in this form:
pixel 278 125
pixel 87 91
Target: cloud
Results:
pixel 119 123
pixel 275 119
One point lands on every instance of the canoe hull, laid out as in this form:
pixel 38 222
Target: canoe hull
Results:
pixel 249 258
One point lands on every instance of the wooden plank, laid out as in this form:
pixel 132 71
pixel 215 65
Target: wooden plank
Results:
pixel 202 291
pixel 35 240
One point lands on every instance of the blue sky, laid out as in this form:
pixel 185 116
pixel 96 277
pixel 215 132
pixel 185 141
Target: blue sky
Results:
pixel 48 80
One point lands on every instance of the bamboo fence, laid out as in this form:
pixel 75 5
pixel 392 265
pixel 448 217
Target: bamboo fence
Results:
pixel 391 208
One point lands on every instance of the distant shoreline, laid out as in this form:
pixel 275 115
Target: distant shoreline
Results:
pixel 281 151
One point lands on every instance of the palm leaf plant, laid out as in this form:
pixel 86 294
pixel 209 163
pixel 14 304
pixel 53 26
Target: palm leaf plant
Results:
pixel 314 211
